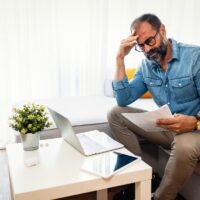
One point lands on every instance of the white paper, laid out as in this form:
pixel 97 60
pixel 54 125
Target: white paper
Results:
pixel 147 120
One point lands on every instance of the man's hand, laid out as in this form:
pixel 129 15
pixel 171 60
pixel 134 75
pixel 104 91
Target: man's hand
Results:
pixel 179 124
pixel 126 45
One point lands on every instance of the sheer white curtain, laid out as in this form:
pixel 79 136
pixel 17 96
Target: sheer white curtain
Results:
pixel 49 48
pixel 59 48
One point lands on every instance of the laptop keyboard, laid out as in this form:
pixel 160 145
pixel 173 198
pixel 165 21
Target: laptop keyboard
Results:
pixel 89 145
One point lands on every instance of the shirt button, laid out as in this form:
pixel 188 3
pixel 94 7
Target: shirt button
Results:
pixel 166 85
pixel 168 103
pixel 179 84
pixel 151 83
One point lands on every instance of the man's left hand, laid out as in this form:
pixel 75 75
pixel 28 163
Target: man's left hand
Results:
pixel 179 123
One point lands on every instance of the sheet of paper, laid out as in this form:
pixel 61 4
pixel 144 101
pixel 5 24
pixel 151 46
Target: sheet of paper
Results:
pixel 147 120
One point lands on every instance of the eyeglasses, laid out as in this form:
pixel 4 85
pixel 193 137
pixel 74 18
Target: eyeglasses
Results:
pixel 149 41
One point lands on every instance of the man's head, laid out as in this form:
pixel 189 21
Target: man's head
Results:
pixel 151 37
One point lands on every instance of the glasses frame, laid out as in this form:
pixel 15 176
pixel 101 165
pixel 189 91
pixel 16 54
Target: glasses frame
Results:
pixel 151 41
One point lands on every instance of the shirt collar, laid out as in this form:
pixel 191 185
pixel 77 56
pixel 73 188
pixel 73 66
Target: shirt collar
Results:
pixel 175 50
pixel 175 54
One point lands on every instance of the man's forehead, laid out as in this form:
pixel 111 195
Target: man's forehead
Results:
pixel 143 28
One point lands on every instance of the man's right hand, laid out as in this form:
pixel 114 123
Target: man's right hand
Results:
pixel 126 45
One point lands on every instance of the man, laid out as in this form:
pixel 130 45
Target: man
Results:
pixel 171 72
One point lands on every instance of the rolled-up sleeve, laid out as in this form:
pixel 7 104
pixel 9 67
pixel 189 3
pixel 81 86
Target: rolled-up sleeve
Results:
pixel 117 85
pixel 127 92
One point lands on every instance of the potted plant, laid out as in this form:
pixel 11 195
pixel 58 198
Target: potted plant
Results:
pixel 29 121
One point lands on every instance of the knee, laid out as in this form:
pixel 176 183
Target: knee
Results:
pixel 114 114
pixel 184 148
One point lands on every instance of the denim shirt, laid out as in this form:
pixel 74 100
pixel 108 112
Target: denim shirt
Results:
pixel 178 86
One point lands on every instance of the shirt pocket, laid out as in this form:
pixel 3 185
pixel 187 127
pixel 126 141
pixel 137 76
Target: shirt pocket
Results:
pixel 183 89
pixel 154 86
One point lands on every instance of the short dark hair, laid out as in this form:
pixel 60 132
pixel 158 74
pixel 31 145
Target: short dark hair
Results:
pixel 152 19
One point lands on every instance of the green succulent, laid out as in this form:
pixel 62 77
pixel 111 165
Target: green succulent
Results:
pixel 31 118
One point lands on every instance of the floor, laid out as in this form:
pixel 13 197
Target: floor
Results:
pixel 5 188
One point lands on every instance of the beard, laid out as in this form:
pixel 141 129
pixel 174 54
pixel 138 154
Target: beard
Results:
pixel 157 54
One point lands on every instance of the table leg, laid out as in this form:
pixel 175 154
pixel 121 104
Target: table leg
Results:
pixel 11 189
pixel 102 194
pixel 143 190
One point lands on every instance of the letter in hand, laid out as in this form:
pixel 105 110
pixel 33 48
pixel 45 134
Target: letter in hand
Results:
pixel 179 123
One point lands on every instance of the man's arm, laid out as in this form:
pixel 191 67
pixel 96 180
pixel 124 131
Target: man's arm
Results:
pixel 126 92
pixel 124 49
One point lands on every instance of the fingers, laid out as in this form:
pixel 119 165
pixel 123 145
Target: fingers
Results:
pixel 178 124
pixel 172 127
pixel 167 121
pixel 133 33
pixel 127 44
pixel 131 38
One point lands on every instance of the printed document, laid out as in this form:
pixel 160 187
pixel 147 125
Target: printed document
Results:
pixel 147 120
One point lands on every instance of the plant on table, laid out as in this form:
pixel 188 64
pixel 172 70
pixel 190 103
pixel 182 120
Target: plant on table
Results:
pixel 31 118
pixel 29 121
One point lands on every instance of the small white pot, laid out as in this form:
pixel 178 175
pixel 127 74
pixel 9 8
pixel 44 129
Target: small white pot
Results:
pixel 30 141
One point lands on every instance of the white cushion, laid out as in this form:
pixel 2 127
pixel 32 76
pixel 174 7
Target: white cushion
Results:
pixel 90 109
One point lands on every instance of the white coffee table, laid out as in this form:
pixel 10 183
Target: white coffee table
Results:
pixel 59 174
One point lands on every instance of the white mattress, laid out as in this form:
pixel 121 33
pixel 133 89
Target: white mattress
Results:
pixel 90 110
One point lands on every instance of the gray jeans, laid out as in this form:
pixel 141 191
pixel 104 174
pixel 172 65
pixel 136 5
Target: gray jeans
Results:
pixel 185 150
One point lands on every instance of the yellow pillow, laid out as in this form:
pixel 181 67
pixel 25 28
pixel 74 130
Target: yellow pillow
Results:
pixel 130 73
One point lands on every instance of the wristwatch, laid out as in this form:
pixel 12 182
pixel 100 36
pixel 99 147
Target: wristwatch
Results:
pixel 198 121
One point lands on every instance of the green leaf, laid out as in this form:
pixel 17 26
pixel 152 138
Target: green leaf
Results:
pixel 29 119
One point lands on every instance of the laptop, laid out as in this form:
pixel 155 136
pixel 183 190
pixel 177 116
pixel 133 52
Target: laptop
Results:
pixel 88 143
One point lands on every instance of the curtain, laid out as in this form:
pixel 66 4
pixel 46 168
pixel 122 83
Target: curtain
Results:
pixel 60 48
